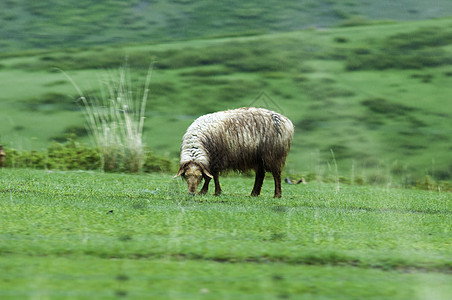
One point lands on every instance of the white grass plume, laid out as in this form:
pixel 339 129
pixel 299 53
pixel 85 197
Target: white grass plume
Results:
pixel 116 120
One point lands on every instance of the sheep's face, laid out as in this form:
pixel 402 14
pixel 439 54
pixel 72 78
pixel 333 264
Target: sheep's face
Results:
pixel 193 177
pixel 193 173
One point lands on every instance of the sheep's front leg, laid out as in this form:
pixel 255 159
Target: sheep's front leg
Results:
pixel 217 184
pixel 259 180
pixel 205 187
pixel 277 178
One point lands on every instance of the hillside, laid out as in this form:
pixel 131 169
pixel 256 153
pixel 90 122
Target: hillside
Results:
pixel 54 24
pixel 374 100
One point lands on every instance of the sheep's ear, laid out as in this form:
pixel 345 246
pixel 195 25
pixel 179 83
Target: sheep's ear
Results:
pixel 180 172
pixel 205 171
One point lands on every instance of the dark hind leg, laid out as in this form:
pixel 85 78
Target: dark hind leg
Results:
pixel 259 180
pixel 205 187
pixel 217 184
pixel 277 178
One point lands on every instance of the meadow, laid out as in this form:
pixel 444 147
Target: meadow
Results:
pixel 52 24
pixel 369 102
pixel 87 234
pixel 368 92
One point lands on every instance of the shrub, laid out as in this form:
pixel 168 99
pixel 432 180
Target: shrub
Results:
pixel 50 102
pixel 309 124
pixel 412 50
pixel 73 155
pixel 340 40
pixel 385 107
pixel 421 38
pixel 68 156
pixel 33 159
pixel 258 64
pixel 156 163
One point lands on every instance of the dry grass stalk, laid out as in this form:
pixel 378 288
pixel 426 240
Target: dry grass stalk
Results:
pixel 116 120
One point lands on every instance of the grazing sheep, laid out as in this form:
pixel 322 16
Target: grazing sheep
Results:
pixel 240 139
pixel 2 155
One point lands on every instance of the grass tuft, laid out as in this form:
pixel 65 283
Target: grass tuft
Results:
pixel 116 120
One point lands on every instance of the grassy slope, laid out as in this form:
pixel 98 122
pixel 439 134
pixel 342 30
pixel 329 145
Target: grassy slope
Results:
pixel 75 23
pixel 75 234
pixel 390 121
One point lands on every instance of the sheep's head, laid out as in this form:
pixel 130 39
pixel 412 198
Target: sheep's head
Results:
pixel 193 173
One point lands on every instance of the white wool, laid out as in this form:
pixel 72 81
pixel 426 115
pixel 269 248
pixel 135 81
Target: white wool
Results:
pixel 192 149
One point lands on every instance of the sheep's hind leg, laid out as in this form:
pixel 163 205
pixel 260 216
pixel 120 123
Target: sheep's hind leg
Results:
pixel 205 187
pixel 217 185
pixel 260 174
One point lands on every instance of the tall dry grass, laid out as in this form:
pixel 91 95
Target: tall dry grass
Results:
pixel 115 120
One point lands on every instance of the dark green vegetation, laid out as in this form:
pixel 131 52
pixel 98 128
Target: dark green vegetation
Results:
pixel 79 234
pixel 76 23
pixel 373 100
pixel 72 155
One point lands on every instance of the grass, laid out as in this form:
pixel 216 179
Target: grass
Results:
pixel 70 234
pixel 386 122
pixel 370 102
pixel 51 24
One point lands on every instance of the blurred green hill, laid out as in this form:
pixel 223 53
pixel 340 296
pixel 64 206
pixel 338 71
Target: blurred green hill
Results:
pixel 78 23
pixel 368 96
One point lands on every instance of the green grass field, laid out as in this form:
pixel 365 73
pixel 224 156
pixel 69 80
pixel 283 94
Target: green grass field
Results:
pixel 51 24
pixel 372 99
pixel 72 235
pixel 367 85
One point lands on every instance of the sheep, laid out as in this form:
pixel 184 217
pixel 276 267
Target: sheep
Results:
pixel 241 139
pixel 2 156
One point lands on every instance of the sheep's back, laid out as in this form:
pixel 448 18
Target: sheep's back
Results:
pixel 242 139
